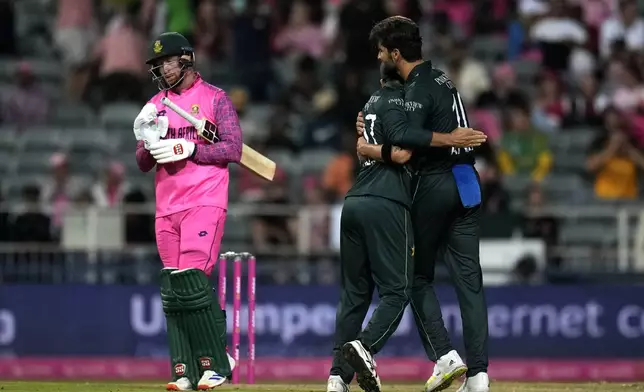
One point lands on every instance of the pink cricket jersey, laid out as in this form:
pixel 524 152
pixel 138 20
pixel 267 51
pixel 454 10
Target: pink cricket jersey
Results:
pixel 203 179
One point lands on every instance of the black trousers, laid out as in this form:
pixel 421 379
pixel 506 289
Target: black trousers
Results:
pixel 376 246
pixel 445 230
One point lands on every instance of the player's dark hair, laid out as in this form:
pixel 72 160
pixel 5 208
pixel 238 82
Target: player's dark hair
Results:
pixel 390 75
pixel 398 32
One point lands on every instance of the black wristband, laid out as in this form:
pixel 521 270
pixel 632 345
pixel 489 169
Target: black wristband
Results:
pixel 194 152
pixel 385 153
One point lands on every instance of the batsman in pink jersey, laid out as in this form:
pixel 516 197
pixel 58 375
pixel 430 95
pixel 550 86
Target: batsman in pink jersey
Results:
pixel 191 187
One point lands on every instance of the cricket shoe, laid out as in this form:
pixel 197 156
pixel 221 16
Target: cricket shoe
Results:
pixel 210 380
pixel 182 384
pixel 365 366
pixel 478 383
pixel 336 384
pixel 448 368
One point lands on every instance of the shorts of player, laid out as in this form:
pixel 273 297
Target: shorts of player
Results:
pixel 191 238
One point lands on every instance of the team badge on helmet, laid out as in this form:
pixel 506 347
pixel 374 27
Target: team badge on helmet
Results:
pixel 167 45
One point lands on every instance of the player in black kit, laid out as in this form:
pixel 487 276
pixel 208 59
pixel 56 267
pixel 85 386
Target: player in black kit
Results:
pixel 376 245
pixel 445 208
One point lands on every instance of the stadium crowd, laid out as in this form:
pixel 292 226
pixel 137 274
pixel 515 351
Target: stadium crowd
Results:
pixel 558 86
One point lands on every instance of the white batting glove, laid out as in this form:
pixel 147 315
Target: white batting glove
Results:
pixel 152 133
pixel 149 127
pixel 172 150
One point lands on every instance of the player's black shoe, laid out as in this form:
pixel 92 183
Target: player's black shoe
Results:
pixel 363 363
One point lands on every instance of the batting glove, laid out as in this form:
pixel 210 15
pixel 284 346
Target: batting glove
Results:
pixel 172 150
pixel 150 127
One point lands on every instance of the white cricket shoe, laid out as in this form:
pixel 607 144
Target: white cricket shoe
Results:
pixel 182 384
pixel 448 368
pixel 478 383
pixel 210 380
pixel 336 384
pixel 365 366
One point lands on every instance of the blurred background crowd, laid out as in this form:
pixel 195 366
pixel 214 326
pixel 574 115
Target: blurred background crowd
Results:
pixel 558 85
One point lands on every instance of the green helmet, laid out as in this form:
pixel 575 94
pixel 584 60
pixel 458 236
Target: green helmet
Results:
pixel 169 44
pixel 166 45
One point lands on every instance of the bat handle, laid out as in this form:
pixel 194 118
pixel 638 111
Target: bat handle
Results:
pixel 186 116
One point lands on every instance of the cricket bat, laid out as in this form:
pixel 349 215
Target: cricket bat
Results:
pixel 250 159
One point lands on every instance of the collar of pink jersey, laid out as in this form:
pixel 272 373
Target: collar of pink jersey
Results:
pixel 198 80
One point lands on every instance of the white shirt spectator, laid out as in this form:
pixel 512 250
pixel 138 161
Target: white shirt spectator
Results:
pixel 614 29
pixel 554 30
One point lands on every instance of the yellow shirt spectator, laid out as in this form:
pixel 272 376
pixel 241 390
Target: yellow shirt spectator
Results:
pixel 524 150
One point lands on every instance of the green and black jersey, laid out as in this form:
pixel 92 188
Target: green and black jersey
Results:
pixel 433 103
pixel 382 115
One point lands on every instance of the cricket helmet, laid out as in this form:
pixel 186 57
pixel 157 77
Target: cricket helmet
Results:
pixel 167 45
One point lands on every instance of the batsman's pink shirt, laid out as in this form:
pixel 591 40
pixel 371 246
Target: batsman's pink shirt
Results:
pixel 203 179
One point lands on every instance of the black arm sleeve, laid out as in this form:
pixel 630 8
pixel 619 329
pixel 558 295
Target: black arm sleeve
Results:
pixel 400 133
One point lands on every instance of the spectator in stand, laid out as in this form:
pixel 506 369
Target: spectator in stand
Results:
pixel 25 103
pixel 551 106
pixel 622 87
pixel 180 18
pixel 460 13
pixel 74 36
pixel 212 33
pixel 350 95
pixel 490 16
pixel 466 72
pixel 357 17
pixel 627 25
pixel 524 149
pixel 59 191
pixel 251 45
pixel 594 13
pixel 122 75
pixel 110 191
pixel 278 132
pixel 614 161
pixel 239 97
pixel 503 90
pixel 583 103
pixel 302 35
pixel 558 35
pixel 300 93
pixel 628 95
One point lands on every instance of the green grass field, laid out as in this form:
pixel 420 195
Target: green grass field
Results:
pixel 31 386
